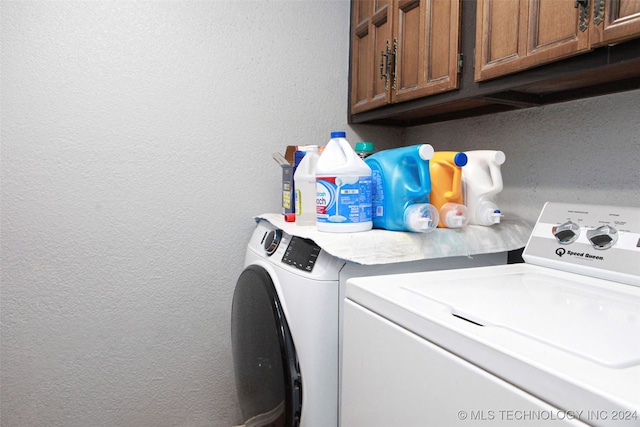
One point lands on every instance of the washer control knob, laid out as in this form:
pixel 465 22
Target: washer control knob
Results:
pixel 272 241
pixel 566 233
pixel 603 237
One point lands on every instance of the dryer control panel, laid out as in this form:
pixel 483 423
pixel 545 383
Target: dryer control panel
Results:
pixel 598 241
pixel 301 253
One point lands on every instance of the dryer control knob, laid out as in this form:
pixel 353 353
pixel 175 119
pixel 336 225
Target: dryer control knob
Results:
pixel 566 233
pixel 603 237
pixel 272 241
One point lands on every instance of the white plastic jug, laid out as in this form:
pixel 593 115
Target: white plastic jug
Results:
pixel 305 185
pixel 481 183
pixel 343 185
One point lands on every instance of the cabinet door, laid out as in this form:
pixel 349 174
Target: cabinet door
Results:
pixel 371 31
pixel 615 21
pixel 512 35
pixel 427 46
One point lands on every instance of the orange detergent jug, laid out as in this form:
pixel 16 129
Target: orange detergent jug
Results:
pixel 446 188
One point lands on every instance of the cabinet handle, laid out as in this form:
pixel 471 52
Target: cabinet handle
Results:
pixel 385 66
pixel 598 11
pixel 395 62
pixel 584 13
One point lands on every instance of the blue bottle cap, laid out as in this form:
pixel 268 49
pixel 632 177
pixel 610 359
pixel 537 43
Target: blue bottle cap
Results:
pixel 338 134
pixel 460 159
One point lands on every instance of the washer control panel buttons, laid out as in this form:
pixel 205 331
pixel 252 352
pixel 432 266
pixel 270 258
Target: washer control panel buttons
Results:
pixel 603 237
pixel 593 240
pixel 566 233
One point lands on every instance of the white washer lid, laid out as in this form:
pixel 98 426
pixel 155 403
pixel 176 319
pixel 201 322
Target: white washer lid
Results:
pixel 593 322
pixel 571 340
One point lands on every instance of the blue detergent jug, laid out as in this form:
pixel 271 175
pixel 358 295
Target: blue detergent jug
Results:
pixel 401 186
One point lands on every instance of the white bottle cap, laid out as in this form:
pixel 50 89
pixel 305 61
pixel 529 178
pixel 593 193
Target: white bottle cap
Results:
pixel 488 213
pixel 426 151
pixel 454 215
pixel 421 217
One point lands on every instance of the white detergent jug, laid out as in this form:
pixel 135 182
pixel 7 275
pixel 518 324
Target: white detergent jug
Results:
pixel 343 197
pixel 481 182
pixel 305 184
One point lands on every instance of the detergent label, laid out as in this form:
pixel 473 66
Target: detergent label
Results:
pixel 343 199
pixel 377 196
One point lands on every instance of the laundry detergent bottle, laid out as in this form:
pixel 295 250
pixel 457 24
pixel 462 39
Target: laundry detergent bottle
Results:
pixel 481 182
pixel 446 188
pixel 343 188
pixel 401 187
pixel 305 184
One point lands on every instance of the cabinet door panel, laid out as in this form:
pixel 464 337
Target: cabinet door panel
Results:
pixel 428 46
pixel 501 34
pixel 554 31
pixel 503 27
pixel 410 45
pixel 545 31
pixel 371 29
pixel 621 21
pixel 440 35
pixel 552 16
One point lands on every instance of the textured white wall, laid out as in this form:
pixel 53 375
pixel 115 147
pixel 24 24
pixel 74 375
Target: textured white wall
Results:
pixel 585 151
pixel 136 146
pixel 136 141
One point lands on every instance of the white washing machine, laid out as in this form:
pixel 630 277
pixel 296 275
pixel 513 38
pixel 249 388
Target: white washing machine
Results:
pixel 286 323
pixel 554 341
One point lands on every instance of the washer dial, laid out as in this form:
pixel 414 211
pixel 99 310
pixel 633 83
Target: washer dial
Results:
pixel 566 233
pixel 603 237
pixel 272 241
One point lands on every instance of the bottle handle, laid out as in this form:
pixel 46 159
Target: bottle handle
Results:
pixel 424 174
pixel 496 179
pixel 456 182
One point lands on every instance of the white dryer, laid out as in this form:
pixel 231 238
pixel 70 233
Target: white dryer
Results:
pixel 286 324
pixel 554 341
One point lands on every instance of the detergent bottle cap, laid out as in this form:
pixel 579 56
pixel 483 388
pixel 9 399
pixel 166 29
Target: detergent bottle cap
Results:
pixel 460 159
pixel 454 215
pixel 499 157
pixel 365 147
pixel 489 213
pixel 426 151
pixel 495 216
pixel 421 217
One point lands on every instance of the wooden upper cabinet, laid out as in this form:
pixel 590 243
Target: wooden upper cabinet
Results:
pixel 402 50
pixel 370 34
pixel 513 35
pixel 428 38
pixel 619 21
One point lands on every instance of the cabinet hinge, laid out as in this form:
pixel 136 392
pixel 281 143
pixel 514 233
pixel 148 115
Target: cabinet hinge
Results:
pixel 460 62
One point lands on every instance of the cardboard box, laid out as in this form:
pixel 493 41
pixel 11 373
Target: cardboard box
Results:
pixel 287 163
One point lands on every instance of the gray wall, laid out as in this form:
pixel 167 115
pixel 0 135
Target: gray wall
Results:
pixel 136 146
pixel 585 151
